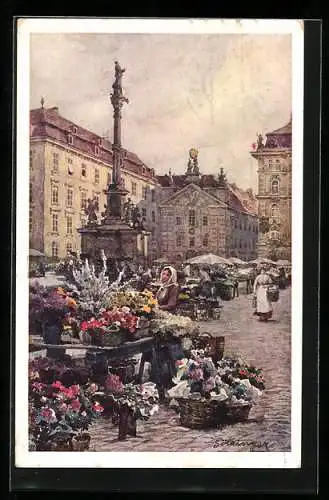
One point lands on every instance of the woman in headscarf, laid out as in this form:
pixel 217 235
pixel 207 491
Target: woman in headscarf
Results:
pixel 264 308
pixel 167 295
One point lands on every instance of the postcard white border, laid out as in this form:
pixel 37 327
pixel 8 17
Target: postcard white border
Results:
pixel 24 458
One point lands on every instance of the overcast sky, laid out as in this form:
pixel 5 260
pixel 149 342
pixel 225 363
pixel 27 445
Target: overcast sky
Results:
pixel 212 92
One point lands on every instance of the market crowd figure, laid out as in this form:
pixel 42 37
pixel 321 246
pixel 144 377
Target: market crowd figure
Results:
pixel 167 294
pixel 264 309
pixel 90 210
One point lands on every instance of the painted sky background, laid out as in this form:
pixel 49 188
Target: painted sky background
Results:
pixel 213 92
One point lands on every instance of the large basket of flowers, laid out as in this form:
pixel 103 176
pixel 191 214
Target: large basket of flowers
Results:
pixel 111 336
pixel 200 414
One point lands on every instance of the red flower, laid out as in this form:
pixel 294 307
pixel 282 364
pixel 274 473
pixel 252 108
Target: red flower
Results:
pixel 57 385
pixel 75 405
pixel 97 407
pixel 253 145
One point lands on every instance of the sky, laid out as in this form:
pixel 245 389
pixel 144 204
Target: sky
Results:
pixel 211 92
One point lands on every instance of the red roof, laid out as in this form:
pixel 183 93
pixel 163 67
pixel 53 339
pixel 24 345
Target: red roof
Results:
pixel 47 122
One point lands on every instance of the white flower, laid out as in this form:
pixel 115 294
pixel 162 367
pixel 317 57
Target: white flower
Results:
pixel 246 383
pixel 125 309
pixel 237 380
pixel 154 409
pixel 43 399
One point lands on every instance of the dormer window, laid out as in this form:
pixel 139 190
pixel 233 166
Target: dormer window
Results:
pixel 74 129
pixel 70 139
pixel 100 141
pixel 96 150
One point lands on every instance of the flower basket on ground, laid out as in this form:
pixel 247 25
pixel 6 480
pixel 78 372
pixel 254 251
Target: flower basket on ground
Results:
pixel 208 396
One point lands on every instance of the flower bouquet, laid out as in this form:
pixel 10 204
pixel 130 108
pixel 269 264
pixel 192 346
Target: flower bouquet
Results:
pixel 59 416
pixel 142 304
pixel 168 326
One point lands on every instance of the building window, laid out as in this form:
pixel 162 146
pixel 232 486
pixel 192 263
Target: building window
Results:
pixel 178 221
pixel 191 218
pixel 153 216
pixel 54 249
pixel 83 203
pixel 144 212
pixel 31 220
pixel 236 224
pixel 274 235
pixel 69 248
pixel 134 188
pixel 55 163
pixel 31 158
pixel 70 166
pixel 275 186
pixel 55 223
pixel 83 170
pixel 96 150
pixel 54 195
pixel 270 162
pixel 69 225
pixel 69 198
pixel 144 192
pixel 275 210
pixel 240 243
pixel 70 139
pixel 192 242
pixel 205 220
pixel 179 240
pixel 205 241
pixel 153 194
pixel 99 141
pixel 96 176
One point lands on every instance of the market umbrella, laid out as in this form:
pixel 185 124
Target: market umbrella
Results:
pixel 209 259
pixel 263 260
pixel 283 262
pixel 237 261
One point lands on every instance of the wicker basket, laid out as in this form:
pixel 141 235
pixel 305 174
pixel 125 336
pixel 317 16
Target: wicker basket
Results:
pixel 237 413
pixel 197 414
pixel 273 293
pixel 81 444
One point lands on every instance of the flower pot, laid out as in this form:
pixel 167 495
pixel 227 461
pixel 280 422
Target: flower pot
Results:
pixel 127 423
pixel 81 442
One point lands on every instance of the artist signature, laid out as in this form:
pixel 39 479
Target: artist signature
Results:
pixel 236 442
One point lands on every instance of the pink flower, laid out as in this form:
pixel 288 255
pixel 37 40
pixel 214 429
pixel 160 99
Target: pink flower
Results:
pixel 75 389
pixel 75 405
pixel 196 374
pixel 48 414
pixel 93 387
pixel 62 407
pixel 57 385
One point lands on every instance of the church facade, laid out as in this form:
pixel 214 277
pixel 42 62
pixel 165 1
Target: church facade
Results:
pixel 274 158
pixel 200 214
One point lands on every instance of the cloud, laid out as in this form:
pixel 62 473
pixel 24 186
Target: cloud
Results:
pixel 214 92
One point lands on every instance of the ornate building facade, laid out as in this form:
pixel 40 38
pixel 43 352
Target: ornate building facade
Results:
pixel 68 166
pixel 274 158
pixel 201 214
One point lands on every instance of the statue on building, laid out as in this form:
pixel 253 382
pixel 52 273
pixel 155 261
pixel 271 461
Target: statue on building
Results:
pixel 260 140
pixel 222 178
pixel 90 211
pixel 189 166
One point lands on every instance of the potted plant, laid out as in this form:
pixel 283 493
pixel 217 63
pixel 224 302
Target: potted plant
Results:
pixel 59 416
pixel 131 402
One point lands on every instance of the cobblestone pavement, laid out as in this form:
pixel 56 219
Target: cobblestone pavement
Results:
pixel 268 429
